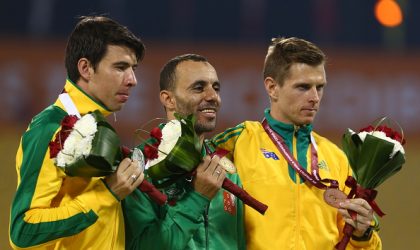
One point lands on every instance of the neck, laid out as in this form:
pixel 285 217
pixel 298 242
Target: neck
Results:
pixel 201 138
pixel 277 116
pixel 170 115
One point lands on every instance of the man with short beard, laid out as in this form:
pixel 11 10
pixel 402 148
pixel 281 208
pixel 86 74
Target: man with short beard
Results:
pixel 201 218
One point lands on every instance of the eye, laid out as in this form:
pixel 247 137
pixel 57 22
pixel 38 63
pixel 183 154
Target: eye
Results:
pixel 120 67
pixel 198 88
pixel 303 87
pixel 216 87
pixel 320 87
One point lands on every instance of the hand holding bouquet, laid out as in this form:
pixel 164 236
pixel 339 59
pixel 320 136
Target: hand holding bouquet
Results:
pixel 375 154
pixel 176 152
pixel 90 147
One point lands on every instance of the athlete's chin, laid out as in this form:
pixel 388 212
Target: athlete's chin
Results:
pixel 304 120
pixel 116 107
pixel 203 127
pixel 307 120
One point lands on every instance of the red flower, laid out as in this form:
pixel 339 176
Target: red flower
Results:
pixel 388 132
pixel 150 151
pixel 54 149
pixel 399 138
pixel 172 202
pixel 63 135
pixel 68 122
pixel 156 133
pixel 369 128
pixel 66 126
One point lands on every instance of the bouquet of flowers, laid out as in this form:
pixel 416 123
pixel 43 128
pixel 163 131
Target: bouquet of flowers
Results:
pixel 90 147
pixel 375 154
pixel 175 152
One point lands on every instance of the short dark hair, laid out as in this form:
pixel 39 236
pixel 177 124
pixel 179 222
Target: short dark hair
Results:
pixel 167 74
pixel 90 39
pixel 283 52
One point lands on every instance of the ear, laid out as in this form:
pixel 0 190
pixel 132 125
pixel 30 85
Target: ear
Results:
pixel 85 69
pixel 168 101
pixel 271 87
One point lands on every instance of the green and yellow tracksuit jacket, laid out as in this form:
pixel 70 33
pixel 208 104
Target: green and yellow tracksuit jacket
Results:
pixel 297 215
pixel 194 222
pixel 51 210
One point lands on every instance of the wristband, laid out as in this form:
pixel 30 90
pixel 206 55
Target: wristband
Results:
pixel 366 236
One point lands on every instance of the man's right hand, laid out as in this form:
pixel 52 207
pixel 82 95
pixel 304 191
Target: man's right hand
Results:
pixel 209 177
pixel 127 178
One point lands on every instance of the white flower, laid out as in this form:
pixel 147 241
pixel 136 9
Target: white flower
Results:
pixel 170 134
pixel 84 146
pixel 64 159
pixel 79 141
pixel 382 135
pixel 72 141
pixel 85 125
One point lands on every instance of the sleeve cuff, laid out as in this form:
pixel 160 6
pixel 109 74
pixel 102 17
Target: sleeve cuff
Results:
pixel 372 241
pixel 365 237
pixel 195 202
pixel 99 197
pixel 191 207
pixel 113 194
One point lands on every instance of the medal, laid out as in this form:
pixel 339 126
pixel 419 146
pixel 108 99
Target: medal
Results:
pixel 227 165
pixel 334 197
pixel 138 155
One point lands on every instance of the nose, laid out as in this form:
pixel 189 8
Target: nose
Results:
pixel 314 95
pixel 211 94
pixel 131 79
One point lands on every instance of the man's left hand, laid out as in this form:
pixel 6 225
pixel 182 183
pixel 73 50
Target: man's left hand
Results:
pixel 364 214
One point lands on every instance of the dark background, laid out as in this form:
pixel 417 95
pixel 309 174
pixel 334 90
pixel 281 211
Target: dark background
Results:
pixel 372 71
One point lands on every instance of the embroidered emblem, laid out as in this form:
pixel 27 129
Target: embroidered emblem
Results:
pixel 323 165
pixel 268 154
pixel 229 203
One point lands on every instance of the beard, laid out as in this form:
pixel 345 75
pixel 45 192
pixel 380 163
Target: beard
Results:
pixel 202 124
pixel 204 127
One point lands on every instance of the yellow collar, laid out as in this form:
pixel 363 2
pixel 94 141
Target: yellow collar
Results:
pixel 83 101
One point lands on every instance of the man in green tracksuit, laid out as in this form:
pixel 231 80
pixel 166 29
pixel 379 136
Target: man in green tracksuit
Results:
pixel 204 216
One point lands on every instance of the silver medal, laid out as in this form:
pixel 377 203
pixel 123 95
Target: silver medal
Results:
pixel 138 155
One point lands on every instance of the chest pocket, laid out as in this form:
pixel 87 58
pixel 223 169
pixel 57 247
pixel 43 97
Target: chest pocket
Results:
pixel 326 170
pixel 260 163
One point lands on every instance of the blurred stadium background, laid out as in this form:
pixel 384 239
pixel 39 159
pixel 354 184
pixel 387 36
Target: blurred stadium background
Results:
pixel 373 70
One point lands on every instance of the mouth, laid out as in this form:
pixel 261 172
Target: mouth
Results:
pixel 311 110
pixel 122 97
pixel 208 112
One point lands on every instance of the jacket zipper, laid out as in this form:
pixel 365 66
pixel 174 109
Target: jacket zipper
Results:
pixel 295 150
pixel 206 225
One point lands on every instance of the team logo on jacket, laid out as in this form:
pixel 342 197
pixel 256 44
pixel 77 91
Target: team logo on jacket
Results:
pixel 268 154
pixel 323 165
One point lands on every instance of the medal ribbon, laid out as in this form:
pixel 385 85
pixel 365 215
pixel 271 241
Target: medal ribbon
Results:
pixel 69 105
pixel 314 179
pixel 359 192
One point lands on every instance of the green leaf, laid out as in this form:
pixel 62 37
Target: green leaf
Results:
pixel 387 170
pixel 161 171
pixel 352 147
pixel 184 155
pixel 104 156
pixel 370 159
pixel 374 154
pixel 183 158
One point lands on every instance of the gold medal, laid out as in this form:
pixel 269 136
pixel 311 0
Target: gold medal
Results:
pixel 227 165
pixel 334 197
